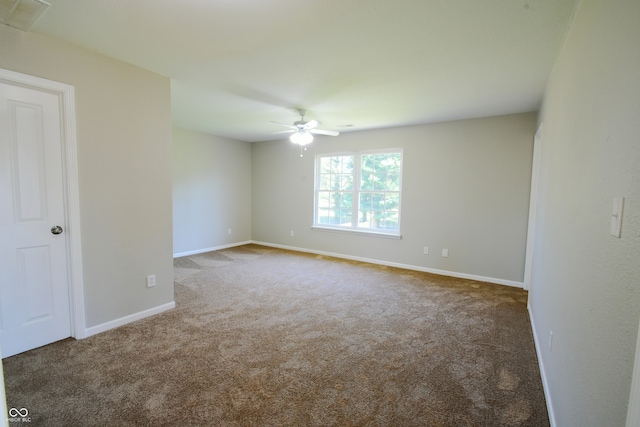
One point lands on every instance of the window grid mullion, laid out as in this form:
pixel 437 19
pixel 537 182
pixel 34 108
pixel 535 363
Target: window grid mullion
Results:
pixel 355 201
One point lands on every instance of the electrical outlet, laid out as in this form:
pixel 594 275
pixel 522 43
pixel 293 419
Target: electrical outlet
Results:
pixel 425 250
pixel 550 339
pixel 229 231
pixel 445 253
pixel 291 233
pixel 151 281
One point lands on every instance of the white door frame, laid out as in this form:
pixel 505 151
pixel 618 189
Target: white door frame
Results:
pixel 71 190
pixel 633 412
pixel 3 399
pixel 533 207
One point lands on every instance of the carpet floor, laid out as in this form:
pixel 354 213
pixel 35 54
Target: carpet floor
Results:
pixel 268 337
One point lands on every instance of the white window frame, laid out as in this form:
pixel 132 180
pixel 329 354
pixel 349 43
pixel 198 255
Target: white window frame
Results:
pixel 357 166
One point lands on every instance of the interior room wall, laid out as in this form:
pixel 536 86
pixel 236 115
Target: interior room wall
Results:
pixel 123 119
pixel 211 191
pixel 465 188
pixel 585 281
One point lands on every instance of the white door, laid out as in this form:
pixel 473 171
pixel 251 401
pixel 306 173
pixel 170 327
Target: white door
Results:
pixel 533 209
pixel 34 286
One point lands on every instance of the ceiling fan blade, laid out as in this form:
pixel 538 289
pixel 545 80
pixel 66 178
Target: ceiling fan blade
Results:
pixel 311 124
pixel 283 124
pixel 284 131
pixel 324 132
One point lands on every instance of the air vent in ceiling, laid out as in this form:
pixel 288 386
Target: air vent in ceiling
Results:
pixel 21 14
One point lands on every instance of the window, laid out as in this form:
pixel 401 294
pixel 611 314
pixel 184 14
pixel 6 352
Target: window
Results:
pixel 359 192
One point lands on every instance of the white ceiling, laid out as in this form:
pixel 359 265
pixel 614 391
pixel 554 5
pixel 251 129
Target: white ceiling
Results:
pixel 353 64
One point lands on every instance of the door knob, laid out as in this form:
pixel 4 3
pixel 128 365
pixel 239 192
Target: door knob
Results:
pixel 56 229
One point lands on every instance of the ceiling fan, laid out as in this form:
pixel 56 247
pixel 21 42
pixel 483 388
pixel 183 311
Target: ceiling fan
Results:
pixel 302 130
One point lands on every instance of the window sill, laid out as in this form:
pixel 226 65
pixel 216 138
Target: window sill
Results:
pixel 357 232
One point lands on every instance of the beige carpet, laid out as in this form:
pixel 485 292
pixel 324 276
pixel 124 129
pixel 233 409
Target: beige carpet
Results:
pixel 266 337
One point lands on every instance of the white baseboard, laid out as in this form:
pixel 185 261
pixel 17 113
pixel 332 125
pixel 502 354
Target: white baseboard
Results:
pixel 127 319
pixel 215 248
pixel 543 372
pixel 398 265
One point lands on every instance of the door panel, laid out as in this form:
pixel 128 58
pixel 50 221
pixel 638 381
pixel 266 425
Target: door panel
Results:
pixel 34 288
pixel 34 283
pixel 27 146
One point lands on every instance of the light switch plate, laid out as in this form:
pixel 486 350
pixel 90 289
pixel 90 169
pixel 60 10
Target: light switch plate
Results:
pixel 616 216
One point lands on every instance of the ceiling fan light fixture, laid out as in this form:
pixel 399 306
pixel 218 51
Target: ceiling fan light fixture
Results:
pixel 301 137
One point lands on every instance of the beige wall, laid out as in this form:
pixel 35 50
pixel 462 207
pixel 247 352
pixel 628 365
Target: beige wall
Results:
pixel 465 188
pixel 585 281
pixel 123 117
pixel 211 191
